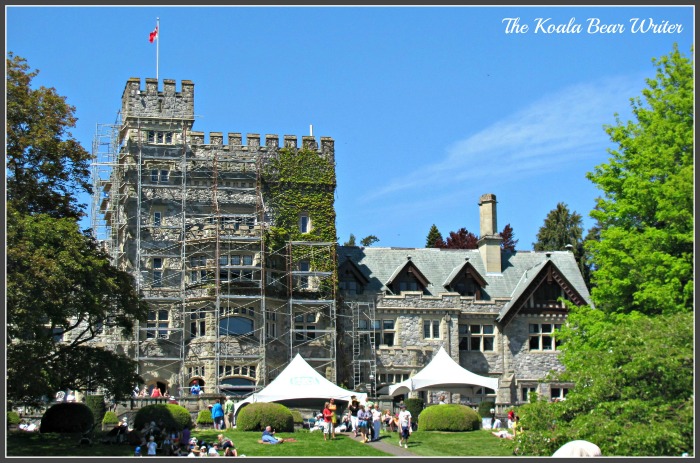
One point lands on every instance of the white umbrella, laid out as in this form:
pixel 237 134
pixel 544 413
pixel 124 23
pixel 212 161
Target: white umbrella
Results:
pixel 578 448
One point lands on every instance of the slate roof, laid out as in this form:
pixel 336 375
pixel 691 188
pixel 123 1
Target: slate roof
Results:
pixel 379 264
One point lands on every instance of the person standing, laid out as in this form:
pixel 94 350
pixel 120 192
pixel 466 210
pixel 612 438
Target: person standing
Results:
pixel 156 392
pixel 217 414
pixel 354 407
pixel 152 446
pixel 363 419
pixel 327 421
pixel 511 418
pixel 334 417
pixel 376 421
pixel 228 412
pixel 404 425
pixel 195 389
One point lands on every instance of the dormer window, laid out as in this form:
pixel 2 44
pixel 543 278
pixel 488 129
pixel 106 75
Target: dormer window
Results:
pixel 466 281
pixel 351 281
pixel 407 277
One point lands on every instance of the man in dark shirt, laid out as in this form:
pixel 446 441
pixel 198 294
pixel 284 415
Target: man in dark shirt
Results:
pixel 354 407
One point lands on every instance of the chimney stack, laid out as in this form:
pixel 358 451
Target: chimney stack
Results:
pixel 489 240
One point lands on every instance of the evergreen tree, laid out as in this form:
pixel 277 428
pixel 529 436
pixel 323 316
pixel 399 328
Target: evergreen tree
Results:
pixel 368 240
pixel 350 241
pixel 434 237
pixel 561 228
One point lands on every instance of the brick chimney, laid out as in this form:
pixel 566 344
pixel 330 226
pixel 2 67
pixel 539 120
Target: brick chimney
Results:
pixel 489 240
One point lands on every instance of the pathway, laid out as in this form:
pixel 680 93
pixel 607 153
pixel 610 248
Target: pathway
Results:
pixel 384 445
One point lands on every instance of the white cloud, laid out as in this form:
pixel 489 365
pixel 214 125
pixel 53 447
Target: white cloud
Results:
pixel 547 136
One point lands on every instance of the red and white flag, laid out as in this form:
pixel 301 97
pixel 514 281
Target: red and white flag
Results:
pixel 153 35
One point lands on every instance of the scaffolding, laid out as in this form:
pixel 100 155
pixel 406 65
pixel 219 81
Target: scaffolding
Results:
pixel 188 220
pixel 364 331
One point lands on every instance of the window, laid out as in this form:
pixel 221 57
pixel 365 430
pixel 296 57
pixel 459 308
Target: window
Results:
pixel 157 218
pixel 271 329
pixel 198 326
pixel 384 332
pixel 304 223
pixel 231 326
pixel 559 393
pixel 304 280
pixel 349 287
pixel 157 271
pixel 529 393
pixel 235 260
pixel 196 371
pixel 477 337
pixel 163 176
pixel 247 259
pixel 157 324
pixel 154 175
pixel 305 326
pixel 542 336
pixel 160 138
pixel 409 286
pixel 431 329
pixel 391 378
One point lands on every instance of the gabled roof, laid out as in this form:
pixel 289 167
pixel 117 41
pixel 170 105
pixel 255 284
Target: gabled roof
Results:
pixel 410 267
pixel 380 265
pixel 530 280
pixel 468 268
pixel 350 266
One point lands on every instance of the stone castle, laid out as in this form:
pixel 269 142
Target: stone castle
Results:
pixel 231 305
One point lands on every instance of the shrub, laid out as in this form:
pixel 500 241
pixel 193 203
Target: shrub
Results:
pixel 110 418
pixel 415 406
pixel 13 418
pixel 449 417
pixel 204 417
pixel 485 409
pixel 97 405
pixel 173 416
pixel 254 417
pixel 67 418
pixel 296 416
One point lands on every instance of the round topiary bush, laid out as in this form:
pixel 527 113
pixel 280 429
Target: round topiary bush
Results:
pixel 254 417
pixel 13 419
pixel 296 416
pixel 204 418
pixel 173 416
pixel 449 417
pixel 110 418
pixel 68 417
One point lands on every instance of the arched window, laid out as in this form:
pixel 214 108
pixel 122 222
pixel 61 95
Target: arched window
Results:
pixel 232 326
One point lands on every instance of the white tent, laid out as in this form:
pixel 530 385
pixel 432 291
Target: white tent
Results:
pixel 442 372
pixel 300 381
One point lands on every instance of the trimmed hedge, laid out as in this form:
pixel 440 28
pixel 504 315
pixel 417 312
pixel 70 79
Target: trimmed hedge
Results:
pixel 13 418
pixel 67 417
pixel 173 416
pixel 110 418
pixel 415 406
pixel 204 417
pixel 485 409
pixel 97 405
pixel 296 416
pixel 449 417
pixel 254 417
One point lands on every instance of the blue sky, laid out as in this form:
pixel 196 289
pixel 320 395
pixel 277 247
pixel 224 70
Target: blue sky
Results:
pixel 430 107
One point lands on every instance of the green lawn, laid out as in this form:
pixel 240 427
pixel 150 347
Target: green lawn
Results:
pixel 463 444
pixel 476 443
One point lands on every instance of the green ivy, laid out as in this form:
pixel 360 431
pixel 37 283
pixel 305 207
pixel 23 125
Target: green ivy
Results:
pixel 296 181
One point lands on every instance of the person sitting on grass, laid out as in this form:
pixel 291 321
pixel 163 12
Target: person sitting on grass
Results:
pixel 268 436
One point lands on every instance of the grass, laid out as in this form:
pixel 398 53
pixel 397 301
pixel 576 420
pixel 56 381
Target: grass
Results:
pixel 455 444
pixel 423 443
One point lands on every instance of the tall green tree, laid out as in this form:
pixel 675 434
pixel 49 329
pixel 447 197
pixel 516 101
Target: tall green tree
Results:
pixel 369 240
pixel 632 363
pixel 644 258
pixel 61 290
pixel 561 228
pixel 46 166
pixel 434 237
pixel 350 241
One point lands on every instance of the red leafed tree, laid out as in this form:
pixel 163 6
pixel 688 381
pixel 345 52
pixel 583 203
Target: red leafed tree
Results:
pixel 508 243
pixel 461 239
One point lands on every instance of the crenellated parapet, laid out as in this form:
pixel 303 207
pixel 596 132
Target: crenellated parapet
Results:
pixel 151 103
pixel 254 144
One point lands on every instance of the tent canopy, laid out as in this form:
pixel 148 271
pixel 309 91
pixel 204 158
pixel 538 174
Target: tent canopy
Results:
pixel 442 372
pixel 297 382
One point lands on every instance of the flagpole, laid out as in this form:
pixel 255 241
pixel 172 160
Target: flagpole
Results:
pixel 157 44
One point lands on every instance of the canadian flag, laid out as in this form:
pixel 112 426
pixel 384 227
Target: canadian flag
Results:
pixel 153 35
